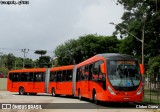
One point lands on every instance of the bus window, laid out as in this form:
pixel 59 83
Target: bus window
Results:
pixel 90 71
pixel 95 71
pixel 23 77
pixel 59 76
pixel 69 75
pixel 86 73
pixel 82 73
pixel 51 76
pixel 78 75
pixel 15 77
pixel 123 74
pixel 30 77
pixel 64 75
pixel 39 76
pixel 10 76
pixel 97 74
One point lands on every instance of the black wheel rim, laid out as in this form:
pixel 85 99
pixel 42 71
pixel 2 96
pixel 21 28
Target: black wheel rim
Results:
pixel 21 91
pixel 53 92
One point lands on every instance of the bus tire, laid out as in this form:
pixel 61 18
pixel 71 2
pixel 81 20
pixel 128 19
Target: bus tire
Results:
pixel 21 91
pixel 53 92
pixel 95 98
pixel 79 95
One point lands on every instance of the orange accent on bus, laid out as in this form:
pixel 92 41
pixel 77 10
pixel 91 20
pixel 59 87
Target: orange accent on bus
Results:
pixel 105 77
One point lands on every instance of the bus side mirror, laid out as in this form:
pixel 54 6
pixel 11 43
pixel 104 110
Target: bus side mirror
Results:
pixel 102 68
pixel 141 68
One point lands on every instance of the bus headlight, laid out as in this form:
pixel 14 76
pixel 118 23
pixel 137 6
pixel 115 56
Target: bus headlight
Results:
pixel 140 91
pixel 111 91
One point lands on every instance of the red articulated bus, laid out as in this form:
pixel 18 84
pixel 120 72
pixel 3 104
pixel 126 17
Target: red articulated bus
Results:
pixel 110 77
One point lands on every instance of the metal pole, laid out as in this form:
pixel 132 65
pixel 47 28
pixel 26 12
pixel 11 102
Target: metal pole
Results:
pixel 142 41
pixel 25 51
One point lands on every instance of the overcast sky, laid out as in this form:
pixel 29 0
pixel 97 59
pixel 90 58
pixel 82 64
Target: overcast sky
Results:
pixel 45 24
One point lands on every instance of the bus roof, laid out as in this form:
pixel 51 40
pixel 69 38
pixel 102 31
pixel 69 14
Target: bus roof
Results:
pixel 29 70
pixel 108 56
pixel 116 56
pixel 68 67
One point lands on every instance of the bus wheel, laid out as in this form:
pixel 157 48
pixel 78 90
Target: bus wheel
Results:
pixel 53 92
pixel 79 95
pixel 95 98
pixel 21 91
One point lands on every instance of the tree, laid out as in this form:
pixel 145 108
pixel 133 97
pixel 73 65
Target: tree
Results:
pixel 43 61
pixel 40 52
pixel 76 51
pixel 140 16
pixel 154 69
pixel 10 60
pixel 29 63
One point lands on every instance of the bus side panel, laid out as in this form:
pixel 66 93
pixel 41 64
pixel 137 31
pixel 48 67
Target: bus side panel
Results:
pixel 15 86
pixel 39 87
pixel 10 86
pixel 29 87
pixel 101 93
pixel 64 88
pixel 67 87
pixel 52 85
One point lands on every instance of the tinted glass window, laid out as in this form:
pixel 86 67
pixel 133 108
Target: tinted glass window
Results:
pixel 59 76
pixel 123 73
pixel 69 75
pixel 15 77
pixel 53 76
pixel 64 75
pixel 39 76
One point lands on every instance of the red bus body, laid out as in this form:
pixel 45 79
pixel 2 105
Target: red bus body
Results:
pixel 107 77
pixel 88 88
pixel 63 80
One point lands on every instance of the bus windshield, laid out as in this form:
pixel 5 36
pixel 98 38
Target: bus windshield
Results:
pixel 123 75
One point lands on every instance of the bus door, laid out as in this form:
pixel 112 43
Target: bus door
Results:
pixel 39 84
pixel 10 81
pixel 30 79
pixel 86 84
pixel 15 80
pixel 90 78
pixel 59 82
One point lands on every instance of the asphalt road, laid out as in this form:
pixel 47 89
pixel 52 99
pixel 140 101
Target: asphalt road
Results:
pixel 41 103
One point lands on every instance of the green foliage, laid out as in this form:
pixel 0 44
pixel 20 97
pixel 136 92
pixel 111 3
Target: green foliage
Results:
pixel 29 63
pixel 76 51
pixel 140 15
pixel 44 61
pixel 18 63
pixel 154 67
pixel 4 70
pixel 40 52
pixel 10 60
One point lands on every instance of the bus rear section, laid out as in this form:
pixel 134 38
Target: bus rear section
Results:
pixel 109 77
pixel 27 81
pixel 61 80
